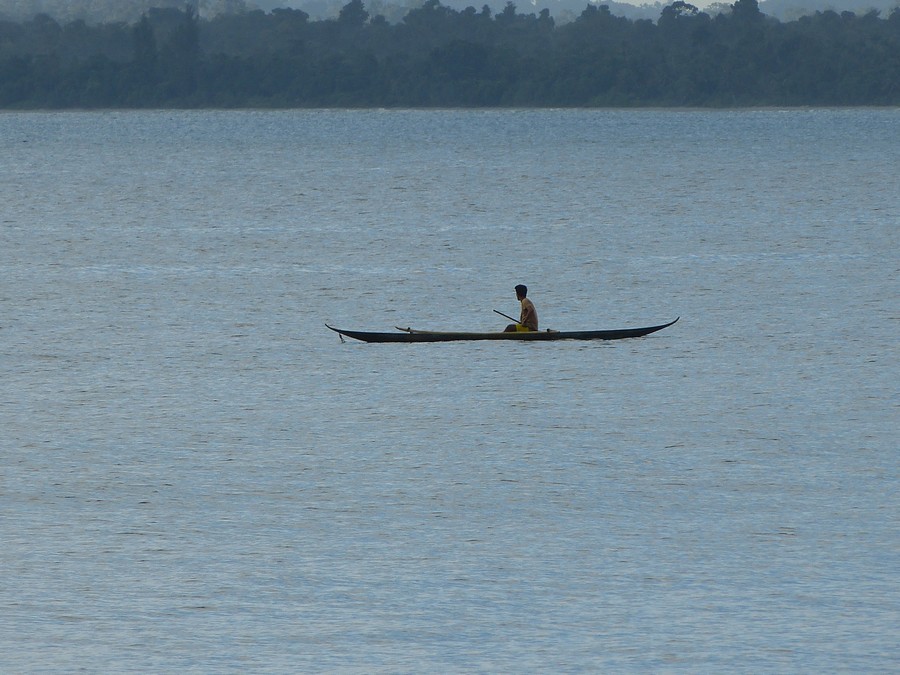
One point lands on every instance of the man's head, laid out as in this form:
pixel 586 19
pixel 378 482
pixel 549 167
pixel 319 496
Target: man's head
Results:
pixel 521 291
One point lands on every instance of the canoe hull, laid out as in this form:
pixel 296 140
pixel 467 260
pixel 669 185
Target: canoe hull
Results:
pixel 410 335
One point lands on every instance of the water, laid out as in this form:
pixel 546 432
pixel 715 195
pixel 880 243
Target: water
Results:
pixel 198 476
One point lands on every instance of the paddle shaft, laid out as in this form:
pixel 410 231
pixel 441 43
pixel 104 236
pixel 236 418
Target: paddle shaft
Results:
pixel 507 316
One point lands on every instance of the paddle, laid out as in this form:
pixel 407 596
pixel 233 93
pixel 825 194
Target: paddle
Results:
pixel 507 316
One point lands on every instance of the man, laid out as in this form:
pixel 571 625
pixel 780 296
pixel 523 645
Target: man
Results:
pixel 528 319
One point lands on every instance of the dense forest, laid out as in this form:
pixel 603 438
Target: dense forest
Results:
pixel 440 57
pixel 563 11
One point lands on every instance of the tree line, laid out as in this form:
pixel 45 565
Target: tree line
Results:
pixel 440 57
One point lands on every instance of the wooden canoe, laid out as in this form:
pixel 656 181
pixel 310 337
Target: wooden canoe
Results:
pixel 411 335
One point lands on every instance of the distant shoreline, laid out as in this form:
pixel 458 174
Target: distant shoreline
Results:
pixel 442 58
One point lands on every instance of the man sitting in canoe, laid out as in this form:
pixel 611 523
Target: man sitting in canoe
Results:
pixel 528 319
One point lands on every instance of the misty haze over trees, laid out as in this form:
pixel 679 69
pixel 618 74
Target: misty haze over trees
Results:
pixel 436 55
pixel 562 11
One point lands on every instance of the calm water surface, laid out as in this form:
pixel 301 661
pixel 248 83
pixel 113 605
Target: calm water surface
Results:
pixel 198 476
